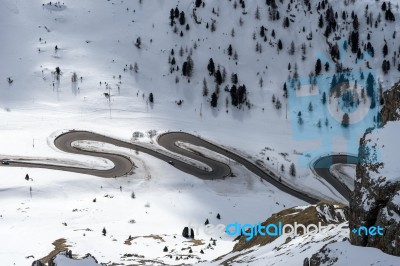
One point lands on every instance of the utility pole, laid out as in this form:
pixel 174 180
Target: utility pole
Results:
pixel 286 109
pixel 201 110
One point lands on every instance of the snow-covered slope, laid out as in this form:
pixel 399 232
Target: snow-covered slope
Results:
pixel 329 246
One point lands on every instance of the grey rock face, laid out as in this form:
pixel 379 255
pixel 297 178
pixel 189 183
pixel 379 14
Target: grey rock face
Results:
pixel 375 201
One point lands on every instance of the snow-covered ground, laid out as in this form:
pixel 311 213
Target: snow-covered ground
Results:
pixel 96 40
pixel 382 150
pixel 286 251
pixel 165 201
pixel 63 260
pixel 346 173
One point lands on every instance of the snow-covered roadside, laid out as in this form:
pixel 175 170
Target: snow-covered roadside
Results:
pixel 322 190
pixel 68 198
pixel 103 164
pixel 346 173
pixel 101 147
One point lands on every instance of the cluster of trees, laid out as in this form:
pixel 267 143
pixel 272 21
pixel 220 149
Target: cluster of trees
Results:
pixel 180 16
pixel 238 94
pixel 277 103
pixel 187 234
pixel 273 12
pixel 388 11
pixel 187 67
pixel 172 62
pixel 327 21
pixel 175 14
pixel 199 3
pixel 330 19
pixel 354 35
pixel 241 2
pixel 350 98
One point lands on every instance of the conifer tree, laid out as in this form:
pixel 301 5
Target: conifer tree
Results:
pixel 292 170
pixel 345 120
pixel 214 102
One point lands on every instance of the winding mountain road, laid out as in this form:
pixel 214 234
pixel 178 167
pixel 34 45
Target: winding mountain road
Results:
pixel 123 165
pixel 322 165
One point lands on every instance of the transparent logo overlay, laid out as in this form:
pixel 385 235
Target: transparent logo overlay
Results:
pixel 334 105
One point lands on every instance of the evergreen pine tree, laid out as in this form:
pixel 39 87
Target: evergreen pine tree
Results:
pixel 323 98
pixel 356 24
pixel 205 88
pixel 211 67
pixel 214 101
pixel 345 120
pixel 321 21
pixel 218 77
pixel 385 50
pixel 354 42
pixel 262 31
pixel 185 232
pixel 326 66
pixel 318 67
pixel 292 170
pixel 257 14
pixel 230 50
pixel 234 78
pixel 310 107
pixel 182 19
pixel 280 46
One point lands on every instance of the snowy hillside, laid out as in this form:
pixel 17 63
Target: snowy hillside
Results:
pixel 270 80
pixel 329 247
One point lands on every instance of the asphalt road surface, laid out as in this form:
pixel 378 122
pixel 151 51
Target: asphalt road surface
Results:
pixel 322 165
pixel 124 166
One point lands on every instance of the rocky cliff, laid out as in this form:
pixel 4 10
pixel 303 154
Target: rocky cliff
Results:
pixel 391 109
pixel 376 197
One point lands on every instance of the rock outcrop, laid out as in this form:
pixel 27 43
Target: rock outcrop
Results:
pixel 324 212
pixel 376 197
pixel 65 258
pixel 390 110
pixel 323 257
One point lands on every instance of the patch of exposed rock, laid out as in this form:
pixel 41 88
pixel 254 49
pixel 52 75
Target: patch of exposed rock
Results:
pixel 376 197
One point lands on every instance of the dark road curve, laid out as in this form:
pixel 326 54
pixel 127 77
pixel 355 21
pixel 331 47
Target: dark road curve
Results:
pixel 322 165
pixel 123 165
